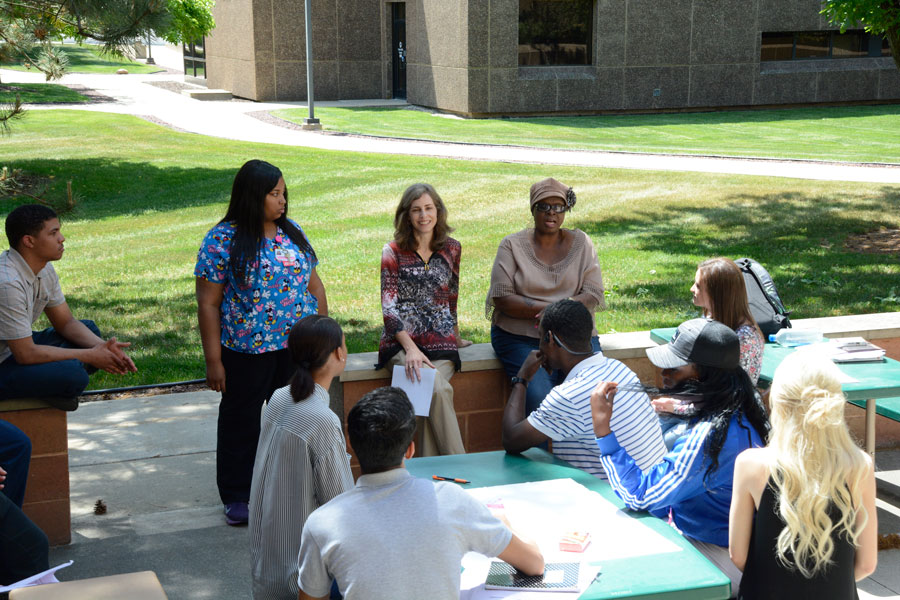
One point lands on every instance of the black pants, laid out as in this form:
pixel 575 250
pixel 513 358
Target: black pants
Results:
pixel 250 380
pixel 23 546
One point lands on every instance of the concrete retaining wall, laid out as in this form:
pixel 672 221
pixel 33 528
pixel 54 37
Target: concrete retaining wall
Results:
pixel 481 387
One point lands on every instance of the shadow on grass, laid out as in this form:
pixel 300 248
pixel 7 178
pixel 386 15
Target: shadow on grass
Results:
pixel 81 57
pixel 162 332
pixel 164 336
pixel 798 237
pixel 110 188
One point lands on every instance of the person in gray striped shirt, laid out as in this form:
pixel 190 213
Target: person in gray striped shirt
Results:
pixel 564 415
pixel 301 460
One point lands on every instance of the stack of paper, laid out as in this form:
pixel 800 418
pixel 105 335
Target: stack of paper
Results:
pixel 854 349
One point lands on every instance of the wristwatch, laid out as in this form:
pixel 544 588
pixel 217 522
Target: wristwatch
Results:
pixel 514 380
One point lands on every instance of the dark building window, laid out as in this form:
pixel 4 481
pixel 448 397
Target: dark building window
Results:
pixel 803 45
pixel 555 32
pixel 195 59
pixel 811 44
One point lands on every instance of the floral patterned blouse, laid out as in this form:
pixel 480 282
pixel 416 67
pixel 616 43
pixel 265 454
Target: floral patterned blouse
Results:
pixel 420 299
pixel 751 350
pixel 257 316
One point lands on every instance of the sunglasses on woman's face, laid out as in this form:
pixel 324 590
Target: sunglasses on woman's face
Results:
pixel 550 208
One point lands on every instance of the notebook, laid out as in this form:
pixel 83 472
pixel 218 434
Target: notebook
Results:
pixel 557 577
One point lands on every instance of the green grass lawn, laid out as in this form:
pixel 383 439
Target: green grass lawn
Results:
pixel 150 194
pixel 848 133
pixel 39 93
pixel 89 59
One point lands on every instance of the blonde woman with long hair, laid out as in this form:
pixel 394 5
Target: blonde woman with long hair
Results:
pixel 803 521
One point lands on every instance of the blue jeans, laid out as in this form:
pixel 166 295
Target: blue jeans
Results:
pixel 512 350
pixel 60 379
pixel 15 457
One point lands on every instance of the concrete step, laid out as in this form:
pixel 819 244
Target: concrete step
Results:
pixel 204 94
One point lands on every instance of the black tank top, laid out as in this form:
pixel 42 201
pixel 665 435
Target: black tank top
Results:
pixel 765 578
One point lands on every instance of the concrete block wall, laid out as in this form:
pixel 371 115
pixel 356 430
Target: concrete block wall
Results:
pixel 481 388
pixel 649 55
pixel 258 49
pixel 463 56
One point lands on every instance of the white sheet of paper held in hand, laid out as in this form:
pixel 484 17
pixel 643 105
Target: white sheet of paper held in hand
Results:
pixel 419 392
pixel 48 576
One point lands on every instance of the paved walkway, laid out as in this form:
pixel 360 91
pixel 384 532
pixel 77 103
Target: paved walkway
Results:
pixel 152 461
pixel 229 119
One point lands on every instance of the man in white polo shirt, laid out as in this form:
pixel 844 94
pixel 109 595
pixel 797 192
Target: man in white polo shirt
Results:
pixel 393 536
pixel 53 363
pixel 564 415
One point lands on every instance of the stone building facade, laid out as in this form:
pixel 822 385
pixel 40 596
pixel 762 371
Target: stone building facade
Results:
pixel 470 56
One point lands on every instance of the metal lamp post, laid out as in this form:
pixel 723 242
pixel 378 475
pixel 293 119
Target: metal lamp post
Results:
pixel 310 122
pixel 150 60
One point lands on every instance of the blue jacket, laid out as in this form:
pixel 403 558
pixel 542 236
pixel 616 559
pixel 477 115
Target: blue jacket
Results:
pixel 699 507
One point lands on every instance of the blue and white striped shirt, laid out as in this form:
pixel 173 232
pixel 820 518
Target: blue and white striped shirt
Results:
pixel 565 417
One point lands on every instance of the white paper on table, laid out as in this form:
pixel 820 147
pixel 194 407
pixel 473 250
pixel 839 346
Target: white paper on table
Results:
pixel 544 511
pixel 419 392
pixel 47 576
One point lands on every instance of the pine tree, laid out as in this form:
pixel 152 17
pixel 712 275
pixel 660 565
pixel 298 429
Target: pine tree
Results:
pixel 28 28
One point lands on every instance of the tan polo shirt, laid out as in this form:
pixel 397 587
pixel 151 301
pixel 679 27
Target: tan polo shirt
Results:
pixel 517 270
pixel 23 297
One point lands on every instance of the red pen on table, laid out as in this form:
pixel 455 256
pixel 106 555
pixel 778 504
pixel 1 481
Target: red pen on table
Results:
pixel 453 479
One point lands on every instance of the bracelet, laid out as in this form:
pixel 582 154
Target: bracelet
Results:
pixel 514 380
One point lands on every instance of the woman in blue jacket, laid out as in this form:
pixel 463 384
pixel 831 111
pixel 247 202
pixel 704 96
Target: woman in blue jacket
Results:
pixel 693 482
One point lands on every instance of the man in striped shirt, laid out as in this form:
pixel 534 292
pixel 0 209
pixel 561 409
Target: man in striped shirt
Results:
pixel 564 416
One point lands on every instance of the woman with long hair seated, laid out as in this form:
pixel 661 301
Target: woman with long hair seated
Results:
pixel 720 291
pixel 692 483
pixel 803 521
pixel 419 292
pixel 301 462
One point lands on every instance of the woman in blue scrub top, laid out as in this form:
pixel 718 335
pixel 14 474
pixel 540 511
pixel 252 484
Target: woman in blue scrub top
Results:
pixel 256 276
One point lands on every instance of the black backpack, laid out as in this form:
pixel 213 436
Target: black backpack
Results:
pixel 765 304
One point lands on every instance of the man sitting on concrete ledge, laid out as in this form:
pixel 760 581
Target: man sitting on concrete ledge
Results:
pixel 564 416
pixel 53 363
pixel 394 536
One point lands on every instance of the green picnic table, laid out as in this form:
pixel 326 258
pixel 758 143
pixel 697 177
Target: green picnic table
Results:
pixel 878 380
pixel 682 575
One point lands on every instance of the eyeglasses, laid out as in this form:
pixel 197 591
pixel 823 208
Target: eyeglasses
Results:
pixel 550 208
pixel 563 346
